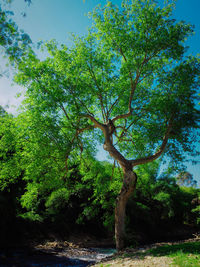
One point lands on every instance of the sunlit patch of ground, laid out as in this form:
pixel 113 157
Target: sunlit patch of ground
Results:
pixel 139 262
pixel 182 254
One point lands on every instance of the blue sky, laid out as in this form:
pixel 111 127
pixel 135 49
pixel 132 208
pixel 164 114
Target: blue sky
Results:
pixel 55 19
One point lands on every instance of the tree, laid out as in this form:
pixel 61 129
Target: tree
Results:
pixel 14 41
pixel 128 85
pixel 186 178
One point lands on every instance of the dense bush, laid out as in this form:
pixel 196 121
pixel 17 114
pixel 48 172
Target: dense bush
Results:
pixel 37 187
pixel 160 206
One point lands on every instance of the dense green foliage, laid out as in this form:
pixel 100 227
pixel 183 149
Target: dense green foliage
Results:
pixel 183 254
pixel 38 189
pixel 134 71
pixel 14 41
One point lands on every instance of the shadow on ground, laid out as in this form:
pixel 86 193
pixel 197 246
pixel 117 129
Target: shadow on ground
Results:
pixel 27 259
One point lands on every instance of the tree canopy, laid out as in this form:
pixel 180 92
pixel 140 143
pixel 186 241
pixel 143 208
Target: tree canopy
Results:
pixel 132 70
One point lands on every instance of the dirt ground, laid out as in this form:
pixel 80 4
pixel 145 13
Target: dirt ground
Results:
pixel 131 257
pixel 147 261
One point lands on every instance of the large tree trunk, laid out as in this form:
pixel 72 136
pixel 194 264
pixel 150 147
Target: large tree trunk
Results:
pixel 130 178
pixel 129 184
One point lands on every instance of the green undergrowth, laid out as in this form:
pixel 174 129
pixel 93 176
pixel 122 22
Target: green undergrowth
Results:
pixel 182 255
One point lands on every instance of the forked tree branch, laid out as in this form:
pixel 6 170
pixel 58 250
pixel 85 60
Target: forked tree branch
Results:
pixel 100 93
pixel 96 123
pixel 160 150
pixel 112 105
pixel 122 116
pixel 89 127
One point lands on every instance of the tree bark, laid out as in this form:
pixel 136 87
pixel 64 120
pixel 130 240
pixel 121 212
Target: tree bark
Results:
pixel 129 184
pixel 128 187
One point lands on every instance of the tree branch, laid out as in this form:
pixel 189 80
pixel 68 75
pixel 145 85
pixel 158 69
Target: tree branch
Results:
pixel 89 127
pixel 112 105
pixel 114 153
pixel 160 150
pixel 133 86
pixel 96 123
pixel 81 102
pixel 100 93
pixel 122 116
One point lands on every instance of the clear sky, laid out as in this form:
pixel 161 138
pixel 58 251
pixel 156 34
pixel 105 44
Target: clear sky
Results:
pixel 55 19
